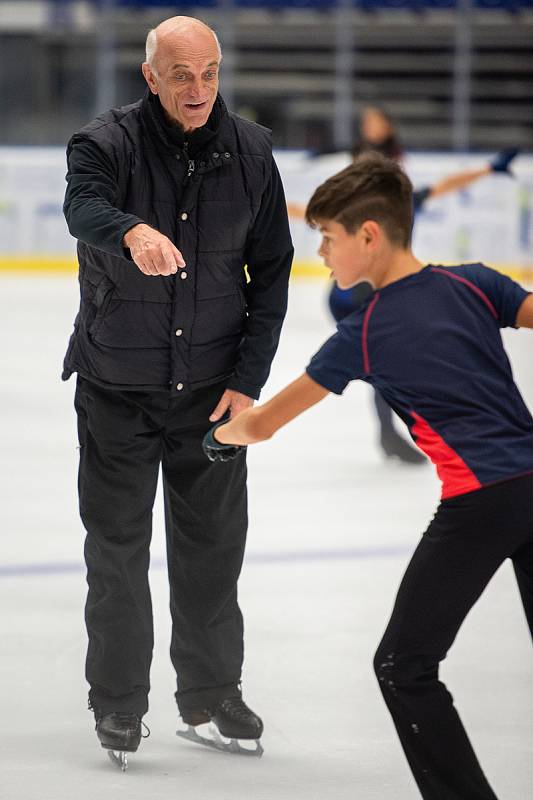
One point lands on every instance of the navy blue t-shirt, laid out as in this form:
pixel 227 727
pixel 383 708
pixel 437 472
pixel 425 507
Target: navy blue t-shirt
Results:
pixel 431 344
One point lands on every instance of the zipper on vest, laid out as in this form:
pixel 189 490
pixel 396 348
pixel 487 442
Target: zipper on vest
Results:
pixel 190 163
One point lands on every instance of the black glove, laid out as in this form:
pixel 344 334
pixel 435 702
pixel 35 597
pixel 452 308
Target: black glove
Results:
pixel 216 451
pixel 501 161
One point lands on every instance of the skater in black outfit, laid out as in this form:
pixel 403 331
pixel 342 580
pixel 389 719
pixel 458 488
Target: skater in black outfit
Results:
pixel 170 198
pixel 429 337
pixel 377 133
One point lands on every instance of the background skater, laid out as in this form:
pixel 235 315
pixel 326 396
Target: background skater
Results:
pixel 377 133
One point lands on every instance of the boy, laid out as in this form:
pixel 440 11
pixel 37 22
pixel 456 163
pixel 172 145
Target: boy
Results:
pixel 428 337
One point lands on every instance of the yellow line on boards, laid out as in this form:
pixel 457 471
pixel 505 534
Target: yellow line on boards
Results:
pixel 300 268
pixel 313 269
pixel 37 264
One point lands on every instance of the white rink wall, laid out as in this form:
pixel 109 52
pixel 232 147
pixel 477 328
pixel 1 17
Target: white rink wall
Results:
pixel 491 221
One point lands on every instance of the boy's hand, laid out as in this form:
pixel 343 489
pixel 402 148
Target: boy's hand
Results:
pixel 216 451
pixel 501 161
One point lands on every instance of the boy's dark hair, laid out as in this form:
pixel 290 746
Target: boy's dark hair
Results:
pixel 373 187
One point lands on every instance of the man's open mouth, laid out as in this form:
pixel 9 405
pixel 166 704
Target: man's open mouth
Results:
pixel 196 106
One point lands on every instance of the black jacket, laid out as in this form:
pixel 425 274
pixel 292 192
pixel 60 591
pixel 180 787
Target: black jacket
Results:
pixel 218 197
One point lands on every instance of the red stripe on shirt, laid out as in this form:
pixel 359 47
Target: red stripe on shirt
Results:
pixel 470 285
pixel 364 343
pixel 456 476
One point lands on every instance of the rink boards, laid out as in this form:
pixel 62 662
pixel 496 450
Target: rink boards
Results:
pixel 491 221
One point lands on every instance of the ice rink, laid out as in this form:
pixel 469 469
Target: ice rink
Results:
pixel 332 525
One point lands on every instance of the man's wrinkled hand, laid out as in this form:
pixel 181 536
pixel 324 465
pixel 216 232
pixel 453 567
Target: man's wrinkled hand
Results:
pixel 215 450
pixel 152 252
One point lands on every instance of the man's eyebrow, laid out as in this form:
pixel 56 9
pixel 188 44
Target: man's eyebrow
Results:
pixel 188 66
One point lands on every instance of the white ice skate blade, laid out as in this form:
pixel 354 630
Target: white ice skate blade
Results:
pixel 119 758
pixel 213 739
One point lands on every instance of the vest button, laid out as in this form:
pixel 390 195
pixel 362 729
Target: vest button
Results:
pixel 179 387
pixel 184 216
pixel 183 275
pixel 179 331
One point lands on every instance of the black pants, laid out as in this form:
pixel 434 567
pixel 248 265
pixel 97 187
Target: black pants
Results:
pixel 124 438
pixel 467 540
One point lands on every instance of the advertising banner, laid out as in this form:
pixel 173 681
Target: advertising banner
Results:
pixel 491 220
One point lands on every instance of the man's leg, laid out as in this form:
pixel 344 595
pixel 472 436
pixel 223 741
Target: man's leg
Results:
pixel 119 462
pixel 464 545
pixel 206 521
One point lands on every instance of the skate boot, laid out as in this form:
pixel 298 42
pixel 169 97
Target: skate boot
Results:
pixel 119 733
pixel 394 446
pixel 232 727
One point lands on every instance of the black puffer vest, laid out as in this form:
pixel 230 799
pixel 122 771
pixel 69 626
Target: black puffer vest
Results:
pixel 133 330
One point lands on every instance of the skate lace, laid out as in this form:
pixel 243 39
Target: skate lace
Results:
pixel 134 718
pixel 238 708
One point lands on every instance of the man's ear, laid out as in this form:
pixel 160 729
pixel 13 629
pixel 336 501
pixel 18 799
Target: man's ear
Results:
pixel 149 77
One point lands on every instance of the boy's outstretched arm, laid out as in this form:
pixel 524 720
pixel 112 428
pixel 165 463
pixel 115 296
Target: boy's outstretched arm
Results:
pixel 260 423
pixel 524 318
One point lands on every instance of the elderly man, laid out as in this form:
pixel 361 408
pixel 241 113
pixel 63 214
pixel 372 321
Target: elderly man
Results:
pixel 170 199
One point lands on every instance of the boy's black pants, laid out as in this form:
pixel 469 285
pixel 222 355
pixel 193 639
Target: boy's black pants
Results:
pixel 124 438
pixel 467 540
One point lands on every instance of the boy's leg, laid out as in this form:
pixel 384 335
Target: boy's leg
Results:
pixel 119 463
pixel 206 522
pixel 468 539
pixel 523 567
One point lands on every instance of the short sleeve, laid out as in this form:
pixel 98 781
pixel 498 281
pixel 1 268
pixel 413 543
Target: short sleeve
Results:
pixel 505 295
pixel 340 359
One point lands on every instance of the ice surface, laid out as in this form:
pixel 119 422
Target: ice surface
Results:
pixel 332 526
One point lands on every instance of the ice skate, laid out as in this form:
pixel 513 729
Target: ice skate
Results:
pixel 119 733
pixel 231 727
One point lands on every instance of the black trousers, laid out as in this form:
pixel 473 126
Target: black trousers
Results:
pixel 467 540
pixel 124 438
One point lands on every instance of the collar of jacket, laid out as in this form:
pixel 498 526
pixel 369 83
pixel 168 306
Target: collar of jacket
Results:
pixel 171 135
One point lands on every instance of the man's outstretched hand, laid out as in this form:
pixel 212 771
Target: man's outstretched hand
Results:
pixel 216 451
pixel 152 252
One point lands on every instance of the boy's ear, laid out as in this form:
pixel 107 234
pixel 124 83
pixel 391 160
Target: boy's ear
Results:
pixel 371 231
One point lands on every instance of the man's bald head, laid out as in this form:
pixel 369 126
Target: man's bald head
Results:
pixel 176 27
pixel 181 67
